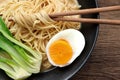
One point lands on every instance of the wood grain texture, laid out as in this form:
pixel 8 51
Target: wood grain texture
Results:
pixel 104 62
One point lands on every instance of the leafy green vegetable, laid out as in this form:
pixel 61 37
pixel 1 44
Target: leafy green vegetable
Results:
pixel 12 69
pixel 22 58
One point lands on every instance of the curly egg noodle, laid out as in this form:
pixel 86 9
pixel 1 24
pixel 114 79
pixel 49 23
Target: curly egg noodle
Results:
pixel 31 24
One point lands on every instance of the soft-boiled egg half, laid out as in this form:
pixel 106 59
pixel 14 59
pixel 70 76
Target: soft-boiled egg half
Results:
pixel 65 47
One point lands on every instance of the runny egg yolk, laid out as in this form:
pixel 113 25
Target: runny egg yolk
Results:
pixel 60 52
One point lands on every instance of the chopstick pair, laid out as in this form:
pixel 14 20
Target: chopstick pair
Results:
pixel 58 16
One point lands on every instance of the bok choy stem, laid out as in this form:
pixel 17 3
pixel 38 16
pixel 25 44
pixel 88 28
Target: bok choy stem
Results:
pixel 22 58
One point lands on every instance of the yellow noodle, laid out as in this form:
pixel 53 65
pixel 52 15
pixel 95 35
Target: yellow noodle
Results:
pixel 31 23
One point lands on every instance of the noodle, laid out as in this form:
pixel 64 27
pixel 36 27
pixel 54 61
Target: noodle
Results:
pixel 31 24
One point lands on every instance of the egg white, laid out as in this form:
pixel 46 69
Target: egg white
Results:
pixel 76 40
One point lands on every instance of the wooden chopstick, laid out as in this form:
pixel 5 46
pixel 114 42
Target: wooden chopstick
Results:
pixel 86 11
pixel 87 20
pixel 58 16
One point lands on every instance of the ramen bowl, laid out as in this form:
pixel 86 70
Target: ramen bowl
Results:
pixel 90 32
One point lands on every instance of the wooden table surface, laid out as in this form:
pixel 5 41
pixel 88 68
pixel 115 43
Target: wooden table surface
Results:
pixel 104 62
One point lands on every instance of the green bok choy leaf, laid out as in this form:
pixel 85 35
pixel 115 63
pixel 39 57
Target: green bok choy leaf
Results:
pixel 23 58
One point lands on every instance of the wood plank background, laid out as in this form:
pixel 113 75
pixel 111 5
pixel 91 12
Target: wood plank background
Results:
pixel 104 63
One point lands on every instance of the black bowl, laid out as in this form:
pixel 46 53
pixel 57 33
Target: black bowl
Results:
pixel 90 31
